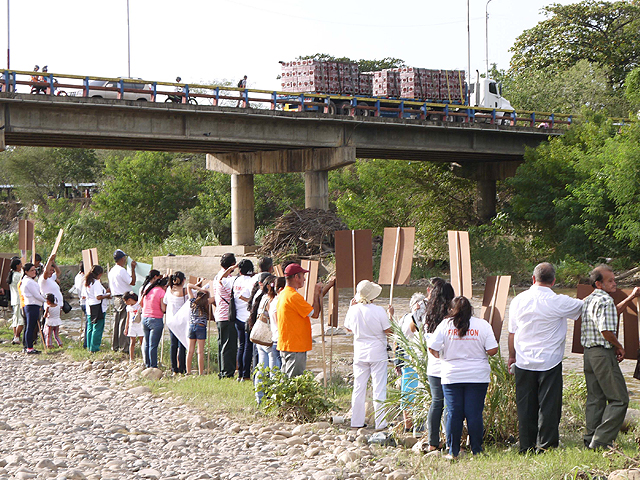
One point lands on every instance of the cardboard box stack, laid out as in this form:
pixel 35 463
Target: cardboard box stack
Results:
pixel 312 76
pixel 452 86
pixel 386 83
pixel 419 83
pixel 365 84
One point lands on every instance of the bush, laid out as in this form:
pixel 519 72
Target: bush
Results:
pixel 299 399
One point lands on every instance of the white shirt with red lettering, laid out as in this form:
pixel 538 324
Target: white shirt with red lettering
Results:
pixel 464 360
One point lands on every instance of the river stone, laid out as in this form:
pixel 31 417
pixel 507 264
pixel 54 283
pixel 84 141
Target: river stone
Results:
pixel 398 475
pixel 149 473
pixel 300 430
pixel 152 374
pixel 140 390
pixel 626 474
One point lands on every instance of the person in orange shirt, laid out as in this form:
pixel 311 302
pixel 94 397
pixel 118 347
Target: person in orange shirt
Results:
pixel 294 324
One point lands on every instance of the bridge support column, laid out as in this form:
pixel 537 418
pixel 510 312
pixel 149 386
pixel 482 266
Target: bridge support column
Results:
pixel 242 210
pixel 316 189
pixel 486 191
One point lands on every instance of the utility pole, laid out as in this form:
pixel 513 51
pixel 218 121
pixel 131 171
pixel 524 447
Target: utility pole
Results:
pixel 128 44
pixel 468 43
pixel 8 40
pixel 487 34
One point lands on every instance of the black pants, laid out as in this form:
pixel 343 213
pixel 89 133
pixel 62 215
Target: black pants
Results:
pixel 32 316
pixel 227 348
pixel 539 400
pixel 178 355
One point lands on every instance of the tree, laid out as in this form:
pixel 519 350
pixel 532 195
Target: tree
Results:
pixel 603 33
pixel 38 172
pixel 363 65
pixel 143 194
pixel 632 88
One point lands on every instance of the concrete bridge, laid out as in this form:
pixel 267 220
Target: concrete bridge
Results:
pixel 243 142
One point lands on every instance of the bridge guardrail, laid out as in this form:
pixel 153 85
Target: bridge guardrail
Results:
pixel 217 95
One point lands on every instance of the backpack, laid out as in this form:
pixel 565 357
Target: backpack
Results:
pixel 232 304
pixel 240 85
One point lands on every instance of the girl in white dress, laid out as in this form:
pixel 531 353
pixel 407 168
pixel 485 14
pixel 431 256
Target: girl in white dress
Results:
pixel 133 329
pixel 52 319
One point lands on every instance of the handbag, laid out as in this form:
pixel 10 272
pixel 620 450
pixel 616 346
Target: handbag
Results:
pixel 96 313
pixel 261 332
pixel 233 314
pixel 4 300
pixel 66 306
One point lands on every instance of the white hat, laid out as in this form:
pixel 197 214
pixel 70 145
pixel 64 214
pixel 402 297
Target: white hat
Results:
pixel 367 291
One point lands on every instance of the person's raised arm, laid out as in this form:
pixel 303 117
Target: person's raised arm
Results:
pixel 47 267
pixel 133 272
pixel 623 304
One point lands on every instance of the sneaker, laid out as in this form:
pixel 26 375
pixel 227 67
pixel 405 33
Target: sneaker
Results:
pixel 33 351
pixel 15 341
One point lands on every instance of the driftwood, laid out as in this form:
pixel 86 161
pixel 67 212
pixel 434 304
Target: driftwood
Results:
pixel 628 273
pixel 304 233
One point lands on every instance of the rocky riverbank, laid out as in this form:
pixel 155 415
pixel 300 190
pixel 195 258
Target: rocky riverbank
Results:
pixel 70 420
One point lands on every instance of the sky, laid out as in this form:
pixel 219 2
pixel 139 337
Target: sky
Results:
pixel 205 41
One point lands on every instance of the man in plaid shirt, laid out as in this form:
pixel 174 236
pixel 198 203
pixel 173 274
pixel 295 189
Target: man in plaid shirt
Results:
pixel 607 396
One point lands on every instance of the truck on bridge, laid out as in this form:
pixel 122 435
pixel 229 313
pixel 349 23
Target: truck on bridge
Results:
pixel 363 93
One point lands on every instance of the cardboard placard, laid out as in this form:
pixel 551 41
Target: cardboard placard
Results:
pixel 354 252
pixel 5 268
pixel 333 307
pixel 397 255
pixel 460 262
pixel 25 235
pixel 278 271
pixel 89 258
pixel 494 302
pixel 57 244
pixel 629 318
pixel 310 279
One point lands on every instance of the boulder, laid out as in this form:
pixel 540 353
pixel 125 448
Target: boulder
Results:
pixel 152 374
pixel 626 474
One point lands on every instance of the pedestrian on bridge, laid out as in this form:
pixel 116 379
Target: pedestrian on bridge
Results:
pixel 242 84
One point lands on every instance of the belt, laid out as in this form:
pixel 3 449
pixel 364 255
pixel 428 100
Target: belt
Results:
pixel 112 296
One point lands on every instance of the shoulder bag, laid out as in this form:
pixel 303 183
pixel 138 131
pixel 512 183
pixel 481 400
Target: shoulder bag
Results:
pixel 66 306
pixel 232 304
pixel 261 332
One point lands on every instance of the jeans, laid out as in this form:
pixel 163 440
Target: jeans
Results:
pixel 152 328
pixel 32 315
pixel 178 355
pixel 408 386
pixel 265 357
pixel 434 418
pixel 227 348
pixel 245 351
pixel 465 400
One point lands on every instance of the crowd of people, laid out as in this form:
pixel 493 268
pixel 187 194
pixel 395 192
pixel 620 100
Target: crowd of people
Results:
pixel 459 345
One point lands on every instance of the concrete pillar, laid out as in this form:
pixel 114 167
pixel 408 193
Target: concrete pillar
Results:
pixel 242 210
pixel 486 198
pixel 316 189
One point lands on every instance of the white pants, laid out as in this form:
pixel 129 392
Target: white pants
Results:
pixel 361 373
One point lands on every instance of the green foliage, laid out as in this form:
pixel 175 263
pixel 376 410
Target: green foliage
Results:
pixel 601 32
pixel 143 194
pixel 38 172
pixel 570 271
pixel 299 399
pixel 500 413
pixel 374 194
pixel 364 65
pixel 632 88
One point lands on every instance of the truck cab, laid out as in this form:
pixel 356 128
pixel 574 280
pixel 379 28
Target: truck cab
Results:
pixel 488 93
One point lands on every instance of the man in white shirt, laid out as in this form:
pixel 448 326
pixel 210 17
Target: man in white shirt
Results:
pixel 120 282
pixel 537 335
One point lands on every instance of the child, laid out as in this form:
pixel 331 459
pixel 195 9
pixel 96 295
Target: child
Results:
pixel 52 319
pixel 133 329
pixel 199 316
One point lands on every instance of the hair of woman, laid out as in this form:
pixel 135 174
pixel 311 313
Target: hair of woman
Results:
pixel 279 284
pixel 81 266
pixel 26 267
pixel 201 303
pixel 130 296
pixel 460 313
pixel 152 273
pixel 14 268
pixel 176 279
pixel 93 274
pixel 160 282
pixel 438 304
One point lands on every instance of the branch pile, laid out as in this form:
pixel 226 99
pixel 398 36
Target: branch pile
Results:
pixel 303 233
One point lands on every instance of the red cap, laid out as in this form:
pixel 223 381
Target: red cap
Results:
pixel 293 269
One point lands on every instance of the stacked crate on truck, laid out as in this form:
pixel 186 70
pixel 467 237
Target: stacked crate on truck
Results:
pixel 419 83
pixel 452 86
pixel 386 83
pixel 365 84
pixel 313 76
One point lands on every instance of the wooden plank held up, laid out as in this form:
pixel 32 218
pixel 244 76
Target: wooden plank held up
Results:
pixel 57 244
pixel 629 318
pixel 397 256
pixel 310 279
pixel 333 307
pixel 5 268
pixel 460 262
pixel 354 257
pixel 278 271
pixel 25 234
pixel 89 258
pixel 494 302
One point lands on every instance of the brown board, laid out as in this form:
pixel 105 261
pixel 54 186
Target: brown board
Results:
pixel 25 234
pixel 57 244
pixel 333 307
pixel 404 255
pixel 5 268
pixel 460 262
pixel 277 271
pixel 89 258
pixel 345 250
pixel 494 302
pixel 310 279
pixel 629 318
